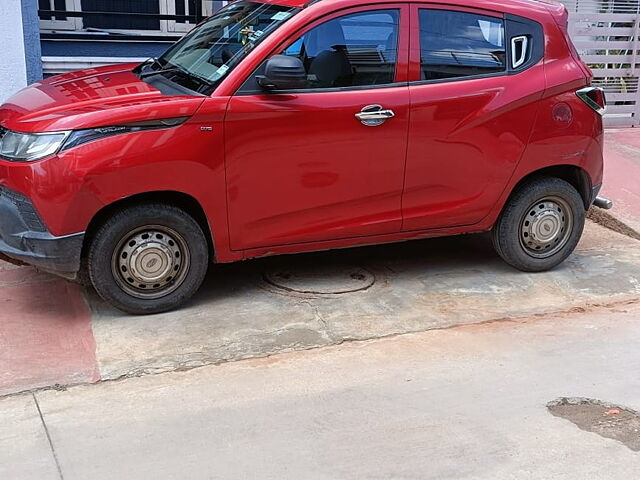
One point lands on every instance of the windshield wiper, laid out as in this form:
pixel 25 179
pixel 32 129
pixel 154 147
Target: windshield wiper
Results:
pixel 150 62
pixel 180 71
pixel 163 70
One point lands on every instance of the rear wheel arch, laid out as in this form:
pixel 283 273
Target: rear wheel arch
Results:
pixel 572 174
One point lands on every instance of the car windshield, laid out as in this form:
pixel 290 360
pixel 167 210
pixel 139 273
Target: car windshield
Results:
pixel 202 58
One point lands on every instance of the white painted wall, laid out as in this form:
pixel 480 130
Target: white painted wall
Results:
pixel 13 68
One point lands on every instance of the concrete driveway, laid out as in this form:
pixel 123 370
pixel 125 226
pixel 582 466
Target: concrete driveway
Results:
pixel 55 333
pixel 469 402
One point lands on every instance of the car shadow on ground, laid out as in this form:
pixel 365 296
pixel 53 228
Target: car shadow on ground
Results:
pixel 467 252
pixel 324 268
pixel 466 263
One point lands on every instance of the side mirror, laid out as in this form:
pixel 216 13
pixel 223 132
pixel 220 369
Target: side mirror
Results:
pixel 283 72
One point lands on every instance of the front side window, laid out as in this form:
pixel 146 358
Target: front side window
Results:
pixel 359 49
pixel 202 58
pixel 459 44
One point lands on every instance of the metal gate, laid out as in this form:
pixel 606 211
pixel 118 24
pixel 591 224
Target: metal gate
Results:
pixel 605 33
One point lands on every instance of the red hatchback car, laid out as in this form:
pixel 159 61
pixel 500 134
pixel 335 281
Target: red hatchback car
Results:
pixel 282 126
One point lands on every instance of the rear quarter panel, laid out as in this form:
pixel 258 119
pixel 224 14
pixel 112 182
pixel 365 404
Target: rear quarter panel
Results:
pixel 578 143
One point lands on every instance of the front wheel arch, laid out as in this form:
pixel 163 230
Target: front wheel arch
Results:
pixel 180 200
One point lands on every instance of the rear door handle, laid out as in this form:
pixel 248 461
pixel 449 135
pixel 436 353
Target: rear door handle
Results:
pixel 374 115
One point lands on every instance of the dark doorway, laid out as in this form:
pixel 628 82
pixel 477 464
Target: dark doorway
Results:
pixel 122 22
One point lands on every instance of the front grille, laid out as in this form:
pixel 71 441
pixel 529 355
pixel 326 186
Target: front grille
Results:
pixel 27 211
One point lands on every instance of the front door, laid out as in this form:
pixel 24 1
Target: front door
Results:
pixel 301 167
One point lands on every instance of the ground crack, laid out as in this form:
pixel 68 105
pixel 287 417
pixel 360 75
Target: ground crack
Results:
pixel 48 435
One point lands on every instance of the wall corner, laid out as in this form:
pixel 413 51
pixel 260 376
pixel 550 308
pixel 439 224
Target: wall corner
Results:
pixel 31 34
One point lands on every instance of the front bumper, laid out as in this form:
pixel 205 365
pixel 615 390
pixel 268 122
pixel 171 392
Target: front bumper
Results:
pixel 24 237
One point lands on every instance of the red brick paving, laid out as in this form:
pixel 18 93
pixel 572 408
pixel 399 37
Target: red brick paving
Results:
pixel 622 174
pixel 45 331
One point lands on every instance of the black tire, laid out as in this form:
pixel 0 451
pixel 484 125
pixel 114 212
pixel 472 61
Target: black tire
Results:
pixel 544 202
pixel 183 247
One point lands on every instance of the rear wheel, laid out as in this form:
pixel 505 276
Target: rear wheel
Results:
pixel 148 258
pixel 541 225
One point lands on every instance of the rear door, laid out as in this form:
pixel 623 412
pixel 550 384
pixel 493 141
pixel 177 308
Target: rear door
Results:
pixel 301 166
pixel 476 78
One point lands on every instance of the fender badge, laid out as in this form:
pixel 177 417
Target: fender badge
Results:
pixel 114 129
pixel 206 129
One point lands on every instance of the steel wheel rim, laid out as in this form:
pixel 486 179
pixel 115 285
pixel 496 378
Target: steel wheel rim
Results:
pixel 546 227
pixel 151 262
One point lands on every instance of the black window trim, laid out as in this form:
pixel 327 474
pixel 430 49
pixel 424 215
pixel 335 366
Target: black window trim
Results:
pixel 318 21
pixel 534 31
pixel 508 71
pixel 259 91
pixel 478 76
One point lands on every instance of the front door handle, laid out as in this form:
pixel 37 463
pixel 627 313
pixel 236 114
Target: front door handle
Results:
pixel 374 115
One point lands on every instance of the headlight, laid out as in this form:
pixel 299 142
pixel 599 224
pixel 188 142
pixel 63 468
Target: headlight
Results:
pixel 27 147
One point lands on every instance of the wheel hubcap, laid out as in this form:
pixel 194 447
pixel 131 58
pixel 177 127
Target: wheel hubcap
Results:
pixel 546 227
pixel 151 262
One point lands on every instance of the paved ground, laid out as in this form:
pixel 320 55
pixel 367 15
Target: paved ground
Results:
pixel 622 174
pixel 45 331
pixel 463 403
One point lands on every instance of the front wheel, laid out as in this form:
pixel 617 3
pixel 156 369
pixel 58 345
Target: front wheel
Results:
pixel 148 258
pixel 540 226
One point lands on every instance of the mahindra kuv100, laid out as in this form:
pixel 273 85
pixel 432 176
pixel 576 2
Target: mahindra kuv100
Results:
pixel 282 126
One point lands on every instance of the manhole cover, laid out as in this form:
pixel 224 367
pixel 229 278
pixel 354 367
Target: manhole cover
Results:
pixel 321 280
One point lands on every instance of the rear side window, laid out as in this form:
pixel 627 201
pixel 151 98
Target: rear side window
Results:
pixel 458 44
pixel 359 49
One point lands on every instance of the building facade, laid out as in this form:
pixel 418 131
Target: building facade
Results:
pixel 21 56
pixel 82 33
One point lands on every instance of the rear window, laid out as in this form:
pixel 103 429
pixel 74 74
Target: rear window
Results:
pixel 458 44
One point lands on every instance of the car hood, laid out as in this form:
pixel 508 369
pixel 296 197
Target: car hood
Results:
pixel 95 97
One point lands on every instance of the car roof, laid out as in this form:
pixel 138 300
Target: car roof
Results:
pixel 541 6
pixel 285 3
